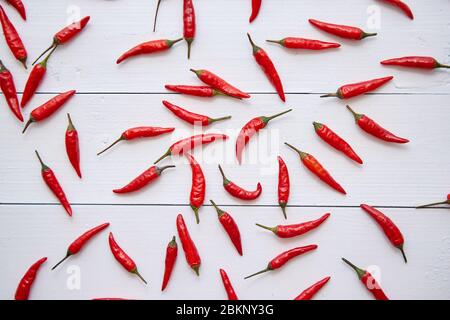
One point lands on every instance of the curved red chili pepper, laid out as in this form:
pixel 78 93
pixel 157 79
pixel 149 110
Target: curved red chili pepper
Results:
pixel 302 43
pixel 310 292
pixel 369 281
pixel 48 108
pixel 156 15
pixel 24 287
pixel 230 226
pixel 145 178
pixel 295 230
pixel 435 203
pixel 374 129
pixel 250 129
pixel 355 89
pixel 73 146
pixel 415 62
pixel 51 181
pixel 228 286
pixel 346 32
pixel 123 258
pixel 171 258
pixel 189 26
pixel 218 83
pixel 190 117
pixel 189 248
pixel 264 61
pixel 18 5
pixel 256 6
pixel 198 186
pixel 148 48
pixel 315 167
pixel 334 140
pixel 283 258
pixel 238 192
pixel 81 241
pixel 9 91
pixel 284 185
pixel 197 91
pixel 13 39
pixel 402 6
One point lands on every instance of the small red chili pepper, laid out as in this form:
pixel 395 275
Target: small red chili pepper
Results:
pixel 198 186
pixel 123 258
pixel 9 91
pixel 218 83
pixel 256 6
pixel 355 89
pixel 145 178
pixel 302 43
pixel 230 226
pixel 18 5
pixel 238 192
pixel 346 32
pixel 51 181
pixel 315 167
pixel 47 109
pixel 189 26
pixel 156 15
pixel 189 248
pixel 334 140
pixel 402 6
pixel 369 281
pixel 138 132
pixel 228 286
pixel 148 47
pixel 171 258
pixel 310 292
pixel 283 258
pixel 264 61
pixel 415 62
pixel 374 129
pixel 24 287
pixel 79 243
pixel 389 228
pixel 197 91
pixel 250 129
pixel 190 117
pixel 295 230
pixel 73 146
pixel 284 185
pixel 435 203
pixel 13 39
pixel 187 144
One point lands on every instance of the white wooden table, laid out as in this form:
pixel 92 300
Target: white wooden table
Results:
pixel 112 98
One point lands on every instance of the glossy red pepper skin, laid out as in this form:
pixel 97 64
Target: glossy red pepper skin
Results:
pixel 228 286
pixel 121 257
pixel 189 248
pixel 264 61
pixel 435 203
pixel 374 129
pixel 189 26
pixel 52 182
pixel 171 258
pixel 346 32
pixel 198 186
pixel 306 44
pixel 197 91
pixel 313 165
pixel 402 6
pixel 356 89
pixel 256 6
pixel 369 281
pixel 230 226
pixel 418 62
pixel 9 91
pixel 24 287
pixel 18 5
pixel 145 178
pixel 13 39
pixel 73 146
pixel 284 185
pixel 148 48
pixel 190 117
pixel 250 129
pixel 334 140
pixel 219 84
pixel 238 192
pixel 295 230
pixel 310 292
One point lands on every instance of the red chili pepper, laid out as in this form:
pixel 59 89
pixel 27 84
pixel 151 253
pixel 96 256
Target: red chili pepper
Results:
pixel 369 281
pixel 198 186
pixel 73 146
pixel 190 117
pixel 9 91
pixel 415 62
pixel 48 108
pixel 374 129
pixel 355 89
pixel 79 243
pixel 238 192
pixel 346 32
pixel 230 226
pixel 435 203
pixel 145 178
pixel 148 48
pixel 156 15
pixel 24 287
pixel 334 140
pixel 264 61
pixel 250 129
pixel 197 91
pixel 302 43
pixel 51 181
pixel 66 34
pixel 189 23
pixel 402 6
pixel 13 39
pixel 18 5
pixel 284 185
pixel 283 258
pixel 389 228
pixel 310 292
pixel 189 248
pixel 295 230
pixel 315 167
pixel 218 83
pixel 187 144
pixel 256 6
pixel 171 258
pixel 123 258
pixel 228 286
pixel 138 132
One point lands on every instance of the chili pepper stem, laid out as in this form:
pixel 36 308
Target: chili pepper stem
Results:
pixel 433 204
pixel 196 270
pixel 212 120
pixel 197 217
pixel 366 34
pixel 219 211
pixel 283 208
pixel 225 179
pixel 301 153
pixel 110 146
pixel 64 259
pixel 165 155
pixel 254 46
pixel 330 95
pixel 53 46
pixel 267 228
pixel 400 247
pixel 356 115
pixel 440 65
pixel 160 170
pixel 359 271
pixel 136 272
pixel 30 121
pixel 71 126
pixel 257 273
pixel 156 15
pixel 44 166
pixel 189 43
pixel 267 119
pixel 275 41
pixel 24 63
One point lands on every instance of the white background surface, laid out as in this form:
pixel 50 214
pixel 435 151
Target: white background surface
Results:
pixel 112 98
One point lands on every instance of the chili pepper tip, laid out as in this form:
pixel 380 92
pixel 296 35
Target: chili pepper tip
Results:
pixel 257 273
